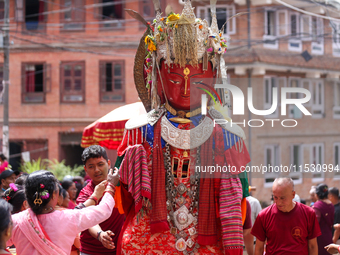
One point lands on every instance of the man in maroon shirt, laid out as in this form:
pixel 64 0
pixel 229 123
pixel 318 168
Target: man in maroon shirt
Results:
pixel 102 238
pixel 288 226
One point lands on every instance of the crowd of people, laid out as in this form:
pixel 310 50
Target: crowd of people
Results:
pixel 290 227
pixel 40 215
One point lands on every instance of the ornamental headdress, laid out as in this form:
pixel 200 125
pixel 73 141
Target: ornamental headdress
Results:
pixel 180 39
pixel 9 193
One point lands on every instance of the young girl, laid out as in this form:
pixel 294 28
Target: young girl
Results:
pixel 15 195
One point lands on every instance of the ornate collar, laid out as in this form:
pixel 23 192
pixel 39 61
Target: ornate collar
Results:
pixel 181 113
pixel 186 139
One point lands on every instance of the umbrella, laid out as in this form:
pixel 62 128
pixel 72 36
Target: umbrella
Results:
pixel 108 131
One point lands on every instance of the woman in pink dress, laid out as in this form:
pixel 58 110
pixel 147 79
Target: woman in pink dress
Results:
pixel 43 230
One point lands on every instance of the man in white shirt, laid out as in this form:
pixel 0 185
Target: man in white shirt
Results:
pixel 255 208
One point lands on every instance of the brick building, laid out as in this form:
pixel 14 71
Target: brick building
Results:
pixel 286 47
pixel 71 62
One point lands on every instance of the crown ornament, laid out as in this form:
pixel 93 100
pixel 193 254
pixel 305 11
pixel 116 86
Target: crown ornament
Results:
pixel 180 39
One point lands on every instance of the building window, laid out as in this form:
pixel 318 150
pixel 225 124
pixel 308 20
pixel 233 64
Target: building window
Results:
pixel 72 82
pixel 111 14
pixel 293 111
pixel 296 161
pixel 336 106
pixel 336 37
pixel 316 161
pixel 112 82
pixel 275 26
pixel 223 12
pixel 73 16
pixel 303 28
pixel 34 14
pixel 294 43
pixel 269 84
pixel 318 108
pixel 272 161
pixel 35 81
pixel 336 160
pixel 317 36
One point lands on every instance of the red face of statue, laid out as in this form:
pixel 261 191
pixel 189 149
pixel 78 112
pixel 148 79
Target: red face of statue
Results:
pixel 180 85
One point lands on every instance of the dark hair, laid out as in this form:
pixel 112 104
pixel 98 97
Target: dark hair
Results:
pixel 2 156
pixel 15 198
pixel 5 212
pixel 60 189
pixel 64 193
pixel 21 180
pixel 79 188
pixel 322 191
pixel 33 188
pixel 66 184
pixel 334 191
pixel 94 151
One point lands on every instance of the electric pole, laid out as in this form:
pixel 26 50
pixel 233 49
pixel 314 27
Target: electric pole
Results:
pixel 5 82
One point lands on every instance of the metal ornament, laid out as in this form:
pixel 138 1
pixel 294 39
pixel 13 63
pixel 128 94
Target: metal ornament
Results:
pixel 192 231
pixel 181 189
pixel 183 218
pixel 190 242
pixel 180 201
pixel 181 245
pixel 186 139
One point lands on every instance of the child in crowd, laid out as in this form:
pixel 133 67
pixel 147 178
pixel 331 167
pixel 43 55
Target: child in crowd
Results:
pixel 15 195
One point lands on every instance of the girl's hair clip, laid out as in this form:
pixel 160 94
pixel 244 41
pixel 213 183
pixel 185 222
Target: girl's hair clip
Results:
pixel 37 200
pixel 13 187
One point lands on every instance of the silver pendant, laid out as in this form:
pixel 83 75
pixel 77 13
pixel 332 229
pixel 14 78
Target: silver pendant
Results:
pixel 192 231
pixel 181 189
pixel 181 245
pixel 180 201
pixel 183 218
pixel 190 242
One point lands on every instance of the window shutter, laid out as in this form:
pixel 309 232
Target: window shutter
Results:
pixel 23 77
pixel 102 75
pixel 282 22
pixel 305 25
pixel 79 11
pixel 231 23
pixel 47 78
pixel 19 11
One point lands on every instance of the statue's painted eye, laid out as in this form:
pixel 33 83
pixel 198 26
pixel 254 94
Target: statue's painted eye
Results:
pixel 198 82
pixel 175 82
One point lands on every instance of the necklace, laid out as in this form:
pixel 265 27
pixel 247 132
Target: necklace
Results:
pixel 183 217
pixel 186 139
pixel 181 113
